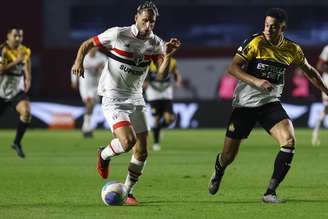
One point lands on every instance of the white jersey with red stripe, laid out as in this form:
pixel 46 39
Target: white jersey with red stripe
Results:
pixel 128 63
pixel 324 59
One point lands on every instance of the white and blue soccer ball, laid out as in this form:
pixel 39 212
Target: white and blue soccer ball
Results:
pixel 114 193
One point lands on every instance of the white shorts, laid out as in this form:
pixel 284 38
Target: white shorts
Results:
pixel 124 114
pixel 87 91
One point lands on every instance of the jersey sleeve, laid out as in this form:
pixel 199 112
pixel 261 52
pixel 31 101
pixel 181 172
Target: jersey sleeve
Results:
pixel 2 58
pixel 28 54
pixel 324 54
pixel 152 67
pixel 159 49
pixel 247 50
pixel 299 56
pixel 173 64
pixel 107 38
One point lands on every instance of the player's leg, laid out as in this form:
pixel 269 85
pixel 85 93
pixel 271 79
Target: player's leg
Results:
pixel 24 110
pixel 136 166
pixel 157 116
pixel 241 123
pixel 156 132
pixel 138 160
pixel 124 135
pixel 278 124
pixel 86 126
pixel 223 159
pixel 315 133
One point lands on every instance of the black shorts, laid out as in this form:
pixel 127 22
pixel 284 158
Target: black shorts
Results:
pixel 5 103
pixel 158 107
pixel 243 119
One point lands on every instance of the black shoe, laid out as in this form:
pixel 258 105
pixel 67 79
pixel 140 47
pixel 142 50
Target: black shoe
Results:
pixel 215 181
pixel 88 134
pixel 18 149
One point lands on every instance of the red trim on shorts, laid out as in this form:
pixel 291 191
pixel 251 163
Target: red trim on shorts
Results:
pixel 110 146
pixel 121 124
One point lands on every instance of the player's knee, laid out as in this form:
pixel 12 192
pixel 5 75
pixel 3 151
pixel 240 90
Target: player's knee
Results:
pixel 290 142
pixel 25 115
pixel 128 142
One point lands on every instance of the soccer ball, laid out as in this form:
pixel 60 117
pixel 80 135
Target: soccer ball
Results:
pixel 114 193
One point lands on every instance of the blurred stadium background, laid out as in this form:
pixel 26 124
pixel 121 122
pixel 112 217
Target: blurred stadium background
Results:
pixel 210 31
pixel 58 177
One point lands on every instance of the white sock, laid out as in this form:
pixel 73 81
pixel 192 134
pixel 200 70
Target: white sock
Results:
pixel 86 127
pixel 318 124
pixel 135 169
pixel 113 149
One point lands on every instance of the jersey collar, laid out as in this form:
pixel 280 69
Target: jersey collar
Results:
pixel 135 31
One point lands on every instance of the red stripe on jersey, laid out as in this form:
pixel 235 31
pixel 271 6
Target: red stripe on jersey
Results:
pixel 121 124
pixel 322 61
pixel 123 53
pixel 98 43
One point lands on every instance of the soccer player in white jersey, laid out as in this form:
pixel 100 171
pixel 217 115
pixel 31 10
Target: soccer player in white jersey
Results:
pixel 129 50
pixel 322 66
pixel 159 94
pixel 93 64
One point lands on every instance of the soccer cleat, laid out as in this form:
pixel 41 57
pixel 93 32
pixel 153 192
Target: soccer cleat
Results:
pixel 131 200
pixel 87 134
pixel 156 147
pixel 272 199
pixel 102 165
pixel 214 184
pixel 18 149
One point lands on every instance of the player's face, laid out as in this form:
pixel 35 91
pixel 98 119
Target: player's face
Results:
pixel 15 37
pixel 273 30
pixel 145 22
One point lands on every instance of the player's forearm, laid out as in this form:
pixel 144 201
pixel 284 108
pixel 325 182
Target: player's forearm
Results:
pixel 4 69
pixel 163 69
pixel 236 71
pixel 316 79
pixel 83 50
pixel 28 71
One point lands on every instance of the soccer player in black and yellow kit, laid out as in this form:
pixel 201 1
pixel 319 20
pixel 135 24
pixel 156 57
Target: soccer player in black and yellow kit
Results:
pixel 260 65
pixel 159 94
pixel 15 81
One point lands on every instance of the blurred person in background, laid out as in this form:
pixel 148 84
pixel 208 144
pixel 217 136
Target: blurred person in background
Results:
pixel 322 66
pixel 15 82
pixel 159 94
pixel 93 64
pixel 130 51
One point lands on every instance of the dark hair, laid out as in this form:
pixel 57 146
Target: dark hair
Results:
pixel 148 5
pixel 10 29
pixel 278 13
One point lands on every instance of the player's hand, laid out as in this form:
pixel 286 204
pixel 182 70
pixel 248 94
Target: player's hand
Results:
pixel 21 57
pixel 74 85
pixel 78 70
pixel 172 46
pixel 27 85
pixel 264 85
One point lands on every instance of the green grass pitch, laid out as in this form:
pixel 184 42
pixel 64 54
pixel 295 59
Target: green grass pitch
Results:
pixel 58 178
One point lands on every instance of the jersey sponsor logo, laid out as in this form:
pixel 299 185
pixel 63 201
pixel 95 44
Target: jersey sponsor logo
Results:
pixel 130 70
